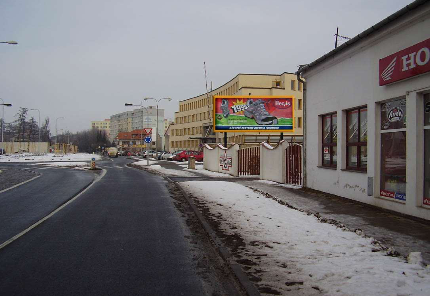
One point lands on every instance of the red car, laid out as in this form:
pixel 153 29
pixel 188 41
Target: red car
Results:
pixel 184 155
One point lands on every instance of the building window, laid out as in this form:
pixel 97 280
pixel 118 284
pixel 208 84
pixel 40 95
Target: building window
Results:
pixel 293 85
pixel 393 149
pixel 299 122
pixel 356 139
pixel 426 197
pixel 299 85
pixel 300 104
pixel 329 140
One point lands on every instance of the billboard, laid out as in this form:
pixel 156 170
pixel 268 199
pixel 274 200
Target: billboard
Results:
pixel 253 114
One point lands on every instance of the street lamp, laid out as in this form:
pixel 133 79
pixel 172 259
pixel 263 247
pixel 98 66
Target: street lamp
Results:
pixel 39 120
pixel 56 130
pixel 10 42
pixel 2 116
pixel 156 131
pixel 143 123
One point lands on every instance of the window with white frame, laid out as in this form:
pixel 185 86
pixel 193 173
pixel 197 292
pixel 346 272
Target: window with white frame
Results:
pixel 393 149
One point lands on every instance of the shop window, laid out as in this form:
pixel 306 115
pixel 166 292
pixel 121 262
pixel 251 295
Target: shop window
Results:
pixel 393 149
pixel 329 140
pixel 356 139
pixel 426 197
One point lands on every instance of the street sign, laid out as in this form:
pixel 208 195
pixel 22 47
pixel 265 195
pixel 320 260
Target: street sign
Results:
pixel 148 130
pixel 148 140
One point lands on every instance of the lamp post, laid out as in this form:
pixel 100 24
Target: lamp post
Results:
pixel 39 120
pixel 2 116
pixel 156 131
pixel 10 42
pixel 143 123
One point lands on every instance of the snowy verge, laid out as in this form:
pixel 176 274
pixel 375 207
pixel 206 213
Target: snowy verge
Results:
pixel 65 164
pixel 49 157
pixel 288 250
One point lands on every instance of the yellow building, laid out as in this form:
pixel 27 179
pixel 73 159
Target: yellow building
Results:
pixel 193 121
pixel 102 125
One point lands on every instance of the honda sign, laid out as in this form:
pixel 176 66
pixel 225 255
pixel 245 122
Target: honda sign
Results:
pixel 406 63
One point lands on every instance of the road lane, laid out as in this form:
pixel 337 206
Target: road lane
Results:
pixel 24 205
pixel 123 236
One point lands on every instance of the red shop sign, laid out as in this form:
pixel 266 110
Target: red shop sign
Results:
pixel 409 62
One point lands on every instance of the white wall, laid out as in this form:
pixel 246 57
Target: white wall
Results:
pixel 213 156
pixel 32 147
pixel 351 80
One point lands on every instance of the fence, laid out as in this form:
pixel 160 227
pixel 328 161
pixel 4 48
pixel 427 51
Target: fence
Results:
pixel 249 161
pixel 293 159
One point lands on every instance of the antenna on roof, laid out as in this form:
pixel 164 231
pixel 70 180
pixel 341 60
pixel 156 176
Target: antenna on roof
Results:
pixel 339 36
pixel 208 131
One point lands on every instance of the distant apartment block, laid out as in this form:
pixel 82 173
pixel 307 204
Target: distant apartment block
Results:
pixel 193 121
pixel 102 125
pixel 138 119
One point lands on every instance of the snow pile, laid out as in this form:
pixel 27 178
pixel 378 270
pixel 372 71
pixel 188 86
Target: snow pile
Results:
pixel 49 157
pixel 288 250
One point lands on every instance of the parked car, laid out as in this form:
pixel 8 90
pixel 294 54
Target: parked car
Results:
pixel 172 155
pixel 146 153
pixel 166 156
pixel 199 156
pixel 184 155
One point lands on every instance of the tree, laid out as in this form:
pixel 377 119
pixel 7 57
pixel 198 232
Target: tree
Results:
pixel 33 130
pixel 45 132
pixel 21 123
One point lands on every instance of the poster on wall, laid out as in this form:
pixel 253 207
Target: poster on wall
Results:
pixel 252 113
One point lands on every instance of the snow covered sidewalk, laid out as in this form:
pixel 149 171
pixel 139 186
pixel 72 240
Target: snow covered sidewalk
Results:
pixel 287 250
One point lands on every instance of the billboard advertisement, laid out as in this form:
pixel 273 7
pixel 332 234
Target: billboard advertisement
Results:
pixel 253 114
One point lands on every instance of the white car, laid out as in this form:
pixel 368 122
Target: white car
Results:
pixel 166 156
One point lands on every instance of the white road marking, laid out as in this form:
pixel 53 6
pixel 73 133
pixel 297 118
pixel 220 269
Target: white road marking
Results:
pixel 51 214
pixel 22 183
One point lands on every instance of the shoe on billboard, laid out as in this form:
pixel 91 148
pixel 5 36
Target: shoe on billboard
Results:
pixel 258 112
pixel 224 108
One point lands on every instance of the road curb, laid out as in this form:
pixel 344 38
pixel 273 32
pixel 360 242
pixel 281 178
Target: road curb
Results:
pixel 225 254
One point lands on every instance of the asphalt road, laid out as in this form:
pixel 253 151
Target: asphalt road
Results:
pixel 22 206
pixel 122 236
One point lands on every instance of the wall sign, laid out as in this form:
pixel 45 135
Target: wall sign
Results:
pixel 409 62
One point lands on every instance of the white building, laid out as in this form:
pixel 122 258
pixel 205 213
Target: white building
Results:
pixel 358 143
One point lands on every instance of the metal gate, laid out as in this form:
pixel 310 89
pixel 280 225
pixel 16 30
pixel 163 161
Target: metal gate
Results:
pixel 294 164
pixel 249 161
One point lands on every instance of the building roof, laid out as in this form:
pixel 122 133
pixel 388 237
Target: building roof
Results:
pixel 365 34
pixel 244 74
pixel 134 134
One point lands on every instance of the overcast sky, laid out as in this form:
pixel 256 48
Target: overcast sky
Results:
pixel 83 59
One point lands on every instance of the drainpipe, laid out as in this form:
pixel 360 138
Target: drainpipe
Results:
pixel 299 71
